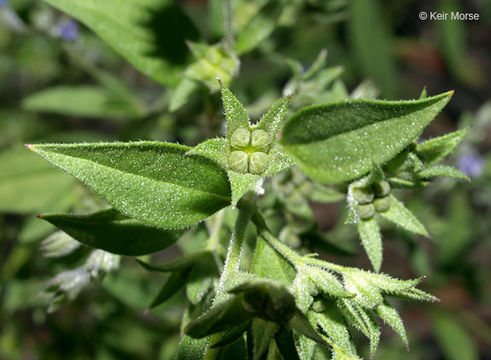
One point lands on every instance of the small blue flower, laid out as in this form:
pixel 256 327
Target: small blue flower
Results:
pixel 68 30
pixel 471 164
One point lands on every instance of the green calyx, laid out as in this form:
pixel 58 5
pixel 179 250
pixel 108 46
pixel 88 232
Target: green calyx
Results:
pixel 372 198
pixel 249 151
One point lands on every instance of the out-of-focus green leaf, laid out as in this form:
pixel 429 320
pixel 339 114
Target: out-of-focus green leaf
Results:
pixel 153 182
pixel 109 231
pixel 82 101
pixel 340 142
pixel 150 34
pixel 371 44
pixel 453 339
pixel 28 184
pixel 171 286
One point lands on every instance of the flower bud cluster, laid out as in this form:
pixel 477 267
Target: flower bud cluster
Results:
pixel 249 151
pixel 372 198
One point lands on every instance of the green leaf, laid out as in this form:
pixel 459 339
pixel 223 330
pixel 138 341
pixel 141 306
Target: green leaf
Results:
pixel 436 149
pixel 362 320
pixel 286 344
pixel 139 31
pixel 455 342
pixel 258 29
pixel 235 113
pixel 391 317
pixel 272 120
pixel 240 183
pixel 201 278
pixel 267 263
pixel 442 170
pixel 333 325
pixel 232 335
pixel 401 216
pixel 191 349
pixel 339 142
pixel 262 333
pixel 371 43
pixel 181 263
pixel 366 293
pixel 372 241
pixel 326 282
pixel 109 231
pixel 82 101
pixel 28 184
pixel 172 285
pixel 148 181
pixel 220 317
pixel 182 93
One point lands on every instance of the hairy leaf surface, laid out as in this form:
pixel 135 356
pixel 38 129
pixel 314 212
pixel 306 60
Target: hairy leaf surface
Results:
pixel 109 231
pixel 340 142
pixel 153 182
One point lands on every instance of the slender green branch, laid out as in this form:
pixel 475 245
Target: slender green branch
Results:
pixel 215 237
pixel 232 263
pixel 229 31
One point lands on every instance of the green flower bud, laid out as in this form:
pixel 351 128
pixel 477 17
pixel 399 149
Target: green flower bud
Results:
pixel 363 195
pixel 319 306
pixel 365 211
pixel 237 161
pixel 381 188
pixel 258 163
pixel 382 204
pixel 240 139
pixel 260 140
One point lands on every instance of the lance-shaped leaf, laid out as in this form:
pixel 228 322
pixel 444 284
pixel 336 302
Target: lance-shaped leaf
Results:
pixel 391 317
pixel 84 101
pixel 333 325
pixel 401 216
pixel 262 332
pixel 327 283
pixel 442 170
pixel 139 31
pixel 110 231
pixel 182 263
pixel 272 120
pixel 372 241
pixel 286 344
pixel 235 113
pixel 436 149
pixel 339 142
pixel 171 286
pixel 153 182
pixel 362 320
pixel 220 317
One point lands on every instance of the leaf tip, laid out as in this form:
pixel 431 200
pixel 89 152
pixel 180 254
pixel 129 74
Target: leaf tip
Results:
pixel 29 146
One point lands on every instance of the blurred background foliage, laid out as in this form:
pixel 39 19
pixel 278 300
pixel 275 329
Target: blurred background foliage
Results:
pixel 59 82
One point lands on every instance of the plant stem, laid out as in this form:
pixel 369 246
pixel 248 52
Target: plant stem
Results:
pixel 231 266
pixel 229 32
pixel 215 237
pixel 232 261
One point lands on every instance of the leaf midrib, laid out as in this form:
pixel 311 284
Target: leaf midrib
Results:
pixel 228 199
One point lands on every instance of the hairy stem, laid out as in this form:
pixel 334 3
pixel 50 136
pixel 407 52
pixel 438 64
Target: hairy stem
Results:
pixel 229 32
pixel 231 266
